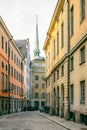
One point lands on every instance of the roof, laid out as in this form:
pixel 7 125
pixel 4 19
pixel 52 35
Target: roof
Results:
pixel 22 45
pixel 38 58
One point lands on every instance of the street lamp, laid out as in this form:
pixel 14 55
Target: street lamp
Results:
pixel 9 74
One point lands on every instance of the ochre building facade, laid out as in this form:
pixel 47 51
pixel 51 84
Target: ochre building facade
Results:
pixel 65 49
pixel 11 73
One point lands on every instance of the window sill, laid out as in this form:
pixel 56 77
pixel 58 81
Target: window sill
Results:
pixel 62 76
pixel 71 69
pixel 82 20
pixel 82 102
pixel 82 62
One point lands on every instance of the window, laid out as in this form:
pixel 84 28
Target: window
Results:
pixel 36 77
pixel 9 51
pixel 57 43
pixel 14 58
pixel 17 60
pixel 72 20
pixel 57 74
pixel 82 92
pixel 6 105
pixel 12 55
pixel 62 71
pixel 71 63
pixel 2 81
pixel 2 42
pixel 36 85
pixel 54 48
pixel 2 104
pixel 82 10
pixel 6 67
pixel 43 95
pixel 62 35
pixel 49 59
pixel 82 55
pixel 36 95
pixel 43 70
pixel 36 70
pixel 19 63
pixel 36 64
pixel 49 97
pixel 15 74
pixel 71 93
pixel 43 64
pixel 11 71
pixel 58 94
pixel 54 77
pixel 49 81
pixel 43 85
pixel 6 48
pixel 6 82
pixel 2 64
pixel 43 77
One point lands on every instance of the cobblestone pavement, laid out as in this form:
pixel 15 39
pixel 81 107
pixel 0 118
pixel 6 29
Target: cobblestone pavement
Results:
pixel 27 121
pixel 70 125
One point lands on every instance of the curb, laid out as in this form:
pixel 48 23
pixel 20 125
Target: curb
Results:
pixel 10 115
pixel 55 122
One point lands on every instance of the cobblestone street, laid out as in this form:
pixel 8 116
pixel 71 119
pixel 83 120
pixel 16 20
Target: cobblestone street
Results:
pixel 27 121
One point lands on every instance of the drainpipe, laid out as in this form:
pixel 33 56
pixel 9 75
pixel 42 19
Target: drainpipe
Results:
pixel 9 74
pixel 68 52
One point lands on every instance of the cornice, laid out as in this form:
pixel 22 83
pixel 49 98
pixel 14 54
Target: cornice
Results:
pixel 57 64
pixel 54 19
pixel 78 44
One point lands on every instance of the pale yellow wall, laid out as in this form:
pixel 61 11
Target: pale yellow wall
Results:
pixel 79 28
pixel 78 74
pixel 80 71
pixel 62 52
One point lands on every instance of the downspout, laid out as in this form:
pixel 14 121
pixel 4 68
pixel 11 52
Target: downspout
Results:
pixel 68 54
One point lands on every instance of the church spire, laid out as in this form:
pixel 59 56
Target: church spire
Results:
pixel 36 50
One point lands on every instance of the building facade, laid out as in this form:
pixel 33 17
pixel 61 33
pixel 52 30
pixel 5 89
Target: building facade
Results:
pixel 56 50
pixel 11 72
pixel 37 89
pixel 24 47
pixel 78 60
pixel 65 50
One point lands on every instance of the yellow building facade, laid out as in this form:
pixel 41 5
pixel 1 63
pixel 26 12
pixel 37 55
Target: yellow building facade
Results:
pixel 56 48
pixel 65 49
pixel 37 89
pixel 78 60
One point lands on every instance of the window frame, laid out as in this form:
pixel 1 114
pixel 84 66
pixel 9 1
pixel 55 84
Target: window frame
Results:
pixel 71 63
pixel 62 35
pixel 72 93
pixel 82 92
pixel 82 58
pixel 82 10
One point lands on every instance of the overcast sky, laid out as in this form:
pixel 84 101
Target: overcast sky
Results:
pixel 20 18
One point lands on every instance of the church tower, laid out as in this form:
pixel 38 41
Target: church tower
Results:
pixel 36 50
